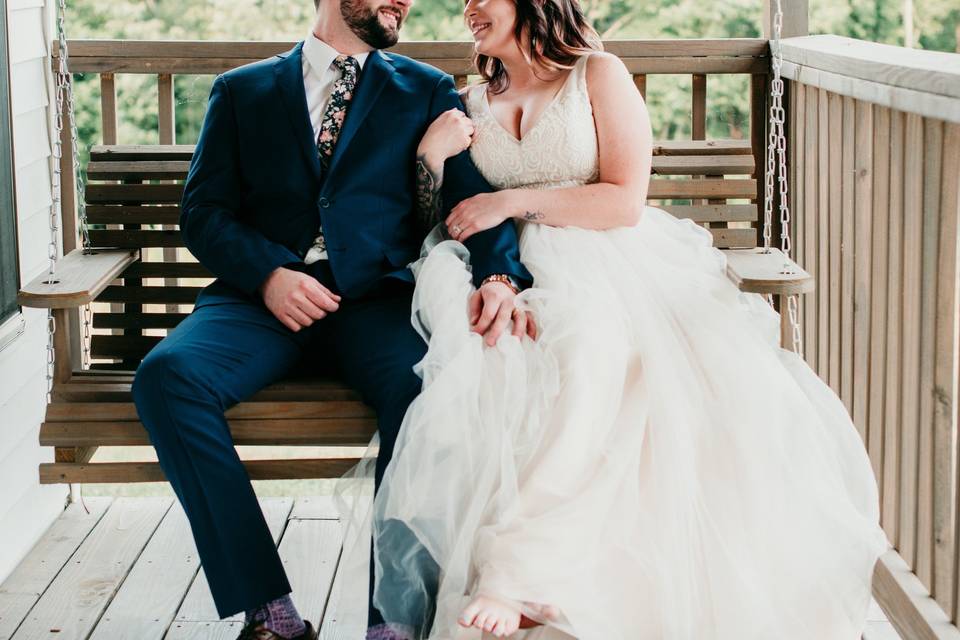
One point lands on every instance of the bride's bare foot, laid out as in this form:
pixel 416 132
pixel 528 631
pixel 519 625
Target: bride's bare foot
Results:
pixel 499 617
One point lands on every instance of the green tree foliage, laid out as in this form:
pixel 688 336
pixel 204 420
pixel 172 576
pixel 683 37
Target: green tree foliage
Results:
pixel 668 96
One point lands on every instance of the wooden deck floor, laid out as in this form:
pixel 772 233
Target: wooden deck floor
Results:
pixel 129 570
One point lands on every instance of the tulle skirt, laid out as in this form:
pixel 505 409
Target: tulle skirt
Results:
pixel 654 465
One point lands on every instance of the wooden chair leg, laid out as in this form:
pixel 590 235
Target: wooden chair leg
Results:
pixel 786 334
pixel 73 454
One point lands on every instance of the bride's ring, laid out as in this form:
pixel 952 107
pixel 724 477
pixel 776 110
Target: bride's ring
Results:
pixel 456 230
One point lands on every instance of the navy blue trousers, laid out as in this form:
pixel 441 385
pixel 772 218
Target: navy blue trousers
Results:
pixel 222 354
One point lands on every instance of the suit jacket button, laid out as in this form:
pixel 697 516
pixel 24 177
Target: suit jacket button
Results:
pixel 324 203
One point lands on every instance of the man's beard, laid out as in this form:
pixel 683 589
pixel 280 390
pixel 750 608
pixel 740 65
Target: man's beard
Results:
pixel 366 24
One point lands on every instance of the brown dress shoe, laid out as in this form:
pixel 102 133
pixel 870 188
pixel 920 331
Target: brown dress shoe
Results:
pixel 255 630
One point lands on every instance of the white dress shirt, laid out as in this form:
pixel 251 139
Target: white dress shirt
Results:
pixel 319 75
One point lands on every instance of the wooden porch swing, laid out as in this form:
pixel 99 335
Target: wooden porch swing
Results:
pixel 135 191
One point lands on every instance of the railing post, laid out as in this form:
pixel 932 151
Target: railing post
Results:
pixel 167 129
pixel 796 21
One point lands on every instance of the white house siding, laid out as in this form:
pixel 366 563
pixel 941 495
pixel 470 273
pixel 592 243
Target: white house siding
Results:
pixel 26 507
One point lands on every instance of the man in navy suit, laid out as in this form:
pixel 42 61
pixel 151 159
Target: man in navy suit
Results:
pixel 301 200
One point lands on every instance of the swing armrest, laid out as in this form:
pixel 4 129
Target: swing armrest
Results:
pixel 80 277
pixel 759 271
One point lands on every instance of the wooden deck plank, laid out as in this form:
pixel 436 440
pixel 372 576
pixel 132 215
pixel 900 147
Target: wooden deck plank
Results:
pixel 198 605
pixel 310 550
pixel 24 587
pixel 192 630
pixel 148 599
pixel 77 597
pixel 314 508
pixel 346 615
pixel 344 619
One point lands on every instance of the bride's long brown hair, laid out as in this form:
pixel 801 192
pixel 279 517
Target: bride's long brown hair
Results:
pixel 559 34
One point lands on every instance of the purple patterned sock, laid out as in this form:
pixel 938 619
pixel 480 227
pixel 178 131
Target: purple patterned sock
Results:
pixel 279 616
pixel 390 631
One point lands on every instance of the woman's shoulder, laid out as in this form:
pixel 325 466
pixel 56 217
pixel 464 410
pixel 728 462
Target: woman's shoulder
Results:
pixel 603 66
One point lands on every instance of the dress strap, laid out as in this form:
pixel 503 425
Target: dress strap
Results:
pixel 580 69
pixel 469 97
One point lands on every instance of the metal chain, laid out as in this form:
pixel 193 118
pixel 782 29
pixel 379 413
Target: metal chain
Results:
pixel 65 108
pixel 53 249
pixel 777 144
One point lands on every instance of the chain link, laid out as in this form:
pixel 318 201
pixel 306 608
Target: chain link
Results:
pixel 64 108
pixel 777 165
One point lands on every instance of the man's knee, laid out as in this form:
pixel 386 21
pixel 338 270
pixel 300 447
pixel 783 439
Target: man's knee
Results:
pixel 159 382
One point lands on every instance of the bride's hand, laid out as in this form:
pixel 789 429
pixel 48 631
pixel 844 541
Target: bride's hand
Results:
pixel 448 135
pixel 479 213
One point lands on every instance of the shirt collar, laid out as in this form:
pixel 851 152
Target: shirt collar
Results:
pixel 321 55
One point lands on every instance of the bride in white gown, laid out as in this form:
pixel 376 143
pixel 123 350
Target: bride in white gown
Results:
pixel 653 465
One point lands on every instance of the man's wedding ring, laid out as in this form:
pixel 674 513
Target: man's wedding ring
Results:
pixel 456 230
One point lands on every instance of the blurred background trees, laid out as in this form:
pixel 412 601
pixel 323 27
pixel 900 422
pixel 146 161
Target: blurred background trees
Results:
pixel 927 24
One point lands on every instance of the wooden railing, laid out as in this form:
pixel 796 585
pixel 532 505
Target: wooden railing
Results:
pixel 874 146
pixel 166 59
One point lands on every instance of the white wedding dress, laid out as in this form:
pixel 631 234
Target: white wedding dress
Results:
pixel 654 465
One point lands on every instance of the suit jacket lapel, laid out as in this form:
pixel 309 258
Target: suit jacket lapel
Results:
pixel 376 72
pixel 289 75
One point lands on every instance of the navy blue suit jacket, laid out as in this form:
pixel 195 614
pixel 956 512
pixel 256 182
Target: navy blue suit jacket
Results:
pixel 254 197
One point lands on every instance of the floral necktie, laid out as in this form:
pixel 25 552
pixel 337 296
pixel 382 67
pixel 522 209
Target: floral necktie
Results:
pixel 330 128
pixel 336 111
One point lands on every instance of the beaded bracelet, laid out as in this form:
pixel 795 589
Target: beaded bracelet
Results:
pixel 505 279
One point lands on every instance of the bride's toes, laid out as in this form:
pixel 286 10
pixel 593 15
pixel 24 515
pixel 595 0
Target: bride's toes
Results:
pixel 491 615
pixel 484 622
pixel 469 615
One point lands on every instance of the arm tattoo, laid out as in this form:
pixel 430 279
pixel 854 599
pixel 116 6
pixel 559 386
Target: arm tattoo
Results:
pixel 534 215
pixel 429 184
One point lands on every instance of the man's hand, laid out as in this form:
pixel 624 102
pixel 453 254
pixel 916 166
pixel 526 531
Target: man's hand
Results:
pixel 296 299
pixel 491 307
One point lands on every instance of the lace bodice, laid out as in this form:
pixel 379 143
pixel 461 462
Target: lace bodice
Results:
pixel 560 150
